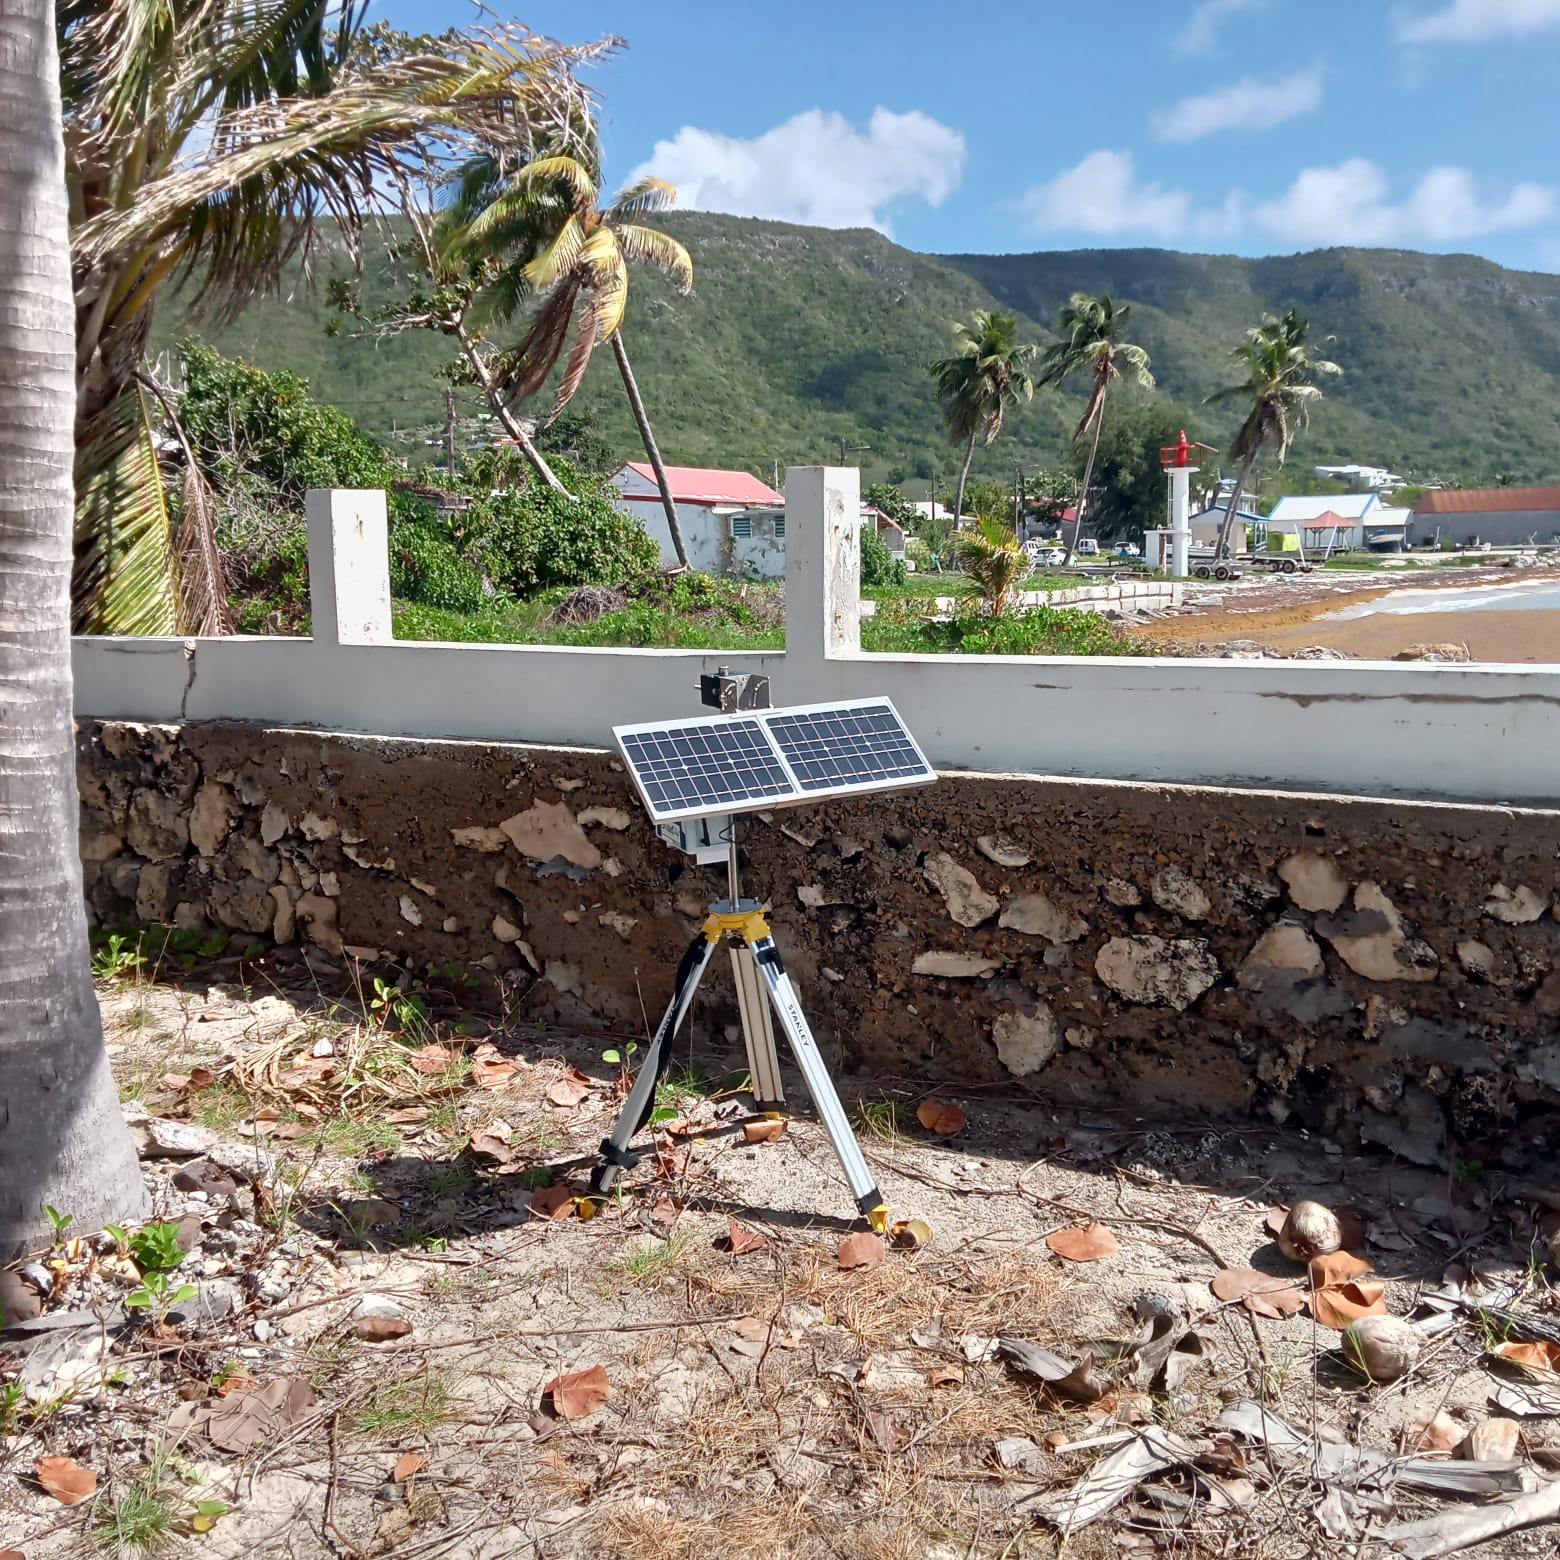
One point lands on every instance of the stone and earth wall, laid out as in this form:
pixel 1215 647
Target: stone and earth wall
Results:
pixel 1386 972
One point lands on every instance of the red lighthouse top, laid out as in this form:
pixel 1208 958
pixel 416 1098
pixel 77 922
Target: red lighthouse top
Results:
pixel 1183 454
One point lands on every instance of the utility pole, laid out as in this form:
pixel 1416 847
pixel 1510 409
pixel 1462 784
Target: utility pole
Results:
pixel 847 449
pixel 449 432
pixel 1018 499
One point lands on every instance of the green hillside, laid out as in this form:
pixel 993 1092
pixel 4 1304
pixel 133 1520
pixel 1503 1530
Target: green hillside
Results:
pixel 799 337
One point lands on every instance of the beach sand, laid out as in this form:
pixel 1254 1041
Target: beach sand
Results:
pixel 1519 636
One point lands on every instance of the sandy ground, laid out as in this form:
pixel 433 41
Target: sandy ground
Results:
pixel 1292 616
pixel 763 1400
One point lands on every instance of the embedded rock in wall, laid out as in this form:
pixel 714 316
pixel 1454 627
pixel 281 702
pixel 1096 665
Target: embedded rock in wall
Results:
pixel 274 823
pixel 1174 889
pixel 1476 958
pixel 243 906
pixel 1026 1042
pixel 1004 850
pixel 158 826
pixel 318 915
pixel 1372 942
pixel 482 837
pixel 211 817
pixel 1314 882
pixel 1284 954
pixel 1156 969
pixel 548 831
pixel 1515 906
pixel 968 903
pixel 1035 915
pixel 953 965
pixel 1122 893
pixel 154 892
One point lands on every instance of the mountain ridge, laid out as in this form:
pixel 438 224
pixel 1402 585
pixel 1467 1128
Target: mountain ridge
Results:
pixel 796 338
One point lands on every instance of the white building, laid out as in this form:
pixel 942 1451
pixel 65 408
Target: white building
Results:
pixel 732 523
pixel 1377 478
pixel 1326 522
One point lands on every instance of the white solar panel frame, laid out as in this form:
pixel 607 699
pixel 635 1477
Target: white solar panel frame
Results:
pixel 796 796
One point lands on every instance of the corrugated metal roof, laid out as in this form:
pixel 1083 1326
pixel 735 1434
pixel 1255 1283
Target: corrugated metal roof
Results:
pixel 704 485
pixel 1349 506
pixel 1488 501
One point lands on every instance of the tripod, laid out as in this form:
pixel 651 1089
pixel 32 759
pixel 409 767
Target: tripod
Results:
pixel 758 971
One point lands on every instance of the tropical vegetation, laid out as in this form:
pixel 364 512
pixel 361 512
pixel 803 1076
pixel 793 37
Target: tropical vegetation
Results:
pixel 208 144
pixel 1280 369
pixel 1092 345
pixel 987 374
pixel 994 558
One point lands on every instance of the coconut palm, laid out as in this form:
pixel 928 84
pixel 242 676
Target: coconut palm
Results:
pixel 1091 329
pixel 994 558
pixel 209 143
pixel 986 375
pixel 63 1140
pixel 544 226
pixel 1281 369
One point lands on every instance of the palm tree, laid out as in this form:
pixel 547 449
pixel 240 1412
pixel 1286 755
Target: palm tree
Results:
pixel 1091 330
pixel 545 227
pixel 209 143
pixel 992 555
pixel 1281 369
pixel 63 1140
pixel 988 374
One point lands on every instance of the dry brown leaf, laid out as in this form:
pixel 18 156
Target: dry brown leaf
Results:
pixel 664 1210
pixel 1337 1267
pixel 430 1059
pixel 1084 1243
pixel 1275 1219
pixel 553 1460
pixel 202 1078
pixel 862 1250
pixel 211 1016
pixel 741 1241
pixel 406 1465
pixel 579 1393
pixel 672 1163
pixel 12 1554
pixel 1259 1293
pixel 762 1131
pixel 552 1202
pixel 940 1117
pixel 67 1481
pixel 381 1329
pixel 753 1328
pixel 912 1234
pixel 175 1082
pixel 945 1376
pixel 1441 1434
pixel 494 1144
pixel 409 1116
pixel 1533 1356
pixel 240 1420
pixel 488 1074
pixel 1339 1304
pixel 887 1431
pixel 567 1093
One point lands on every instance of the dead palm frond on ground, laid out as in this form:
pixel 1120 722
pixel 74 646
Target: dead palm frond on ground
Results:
pixel 211 144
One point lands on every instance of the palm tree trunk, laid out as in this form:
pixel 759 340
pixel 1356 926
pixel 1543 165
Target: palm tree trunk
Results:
pixel 63 1140
pixel 512 424
pixel 1088 477
pixel 1232 508
pixel 964 477
pixel 637 406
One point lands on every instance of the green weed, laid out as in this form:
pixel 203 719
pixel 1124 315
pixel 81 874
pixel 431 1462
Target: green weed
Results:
pixel 416 1404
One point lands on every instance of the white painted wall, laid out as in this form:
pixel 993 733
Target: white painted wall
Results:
pixel 707 536
pixel 1485 733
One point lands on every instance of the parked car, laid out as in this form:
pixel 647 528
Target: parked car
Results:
pixel 1088 548
pixel 1047 555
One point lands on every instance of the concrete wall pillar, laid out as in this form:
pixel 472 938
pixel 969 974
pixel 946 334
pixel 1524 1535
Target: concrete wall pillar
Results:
pixel 349 566
pixel 822 571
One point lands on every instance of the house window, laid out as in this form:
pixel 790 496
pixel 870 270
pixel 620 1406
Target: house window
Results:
pixel 741 527
pixel 779 528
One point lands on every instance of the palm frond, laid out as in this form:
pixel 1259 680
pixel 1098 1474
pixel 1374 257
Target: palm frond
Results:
pixel 125 580
pixel 658 249
pixel 638 199
pixel 534 356
pixel 586 335
pixel 559 257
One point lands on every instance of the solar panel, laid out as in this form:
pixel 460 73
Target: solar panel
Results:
pixel 770 758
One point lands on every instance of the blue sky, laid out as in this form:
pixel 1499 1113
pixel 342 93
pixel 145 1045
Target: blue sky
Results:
pixel 1245 126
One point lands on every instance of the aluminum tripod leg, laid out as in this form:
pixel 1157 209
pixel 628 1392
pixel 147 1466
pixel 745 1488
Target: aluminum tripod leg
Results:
pixel 615 1157
pixel 758 1034
pixel 819 1085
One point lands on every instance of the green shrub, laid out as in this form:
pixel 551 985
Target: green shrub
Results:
pixel 917 552
pixel 878 565
pixel 425 567
pixel 901 628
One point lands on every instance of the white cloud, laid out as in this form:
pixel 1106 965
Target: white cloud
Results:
pixel 1201 32
pixel 1468 21
pixel 817 168
pixel 1351 204
pixel 1102 195
pixel 1251 104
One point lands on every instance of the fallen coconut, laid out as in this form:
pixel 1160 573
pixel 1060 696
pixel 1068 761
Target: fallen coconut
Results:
pixel 1311 1230
pixel 1384 1347
pixel 1493 1441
